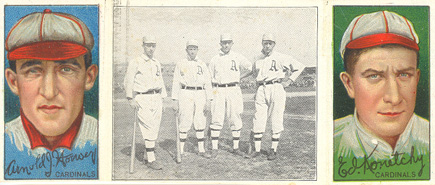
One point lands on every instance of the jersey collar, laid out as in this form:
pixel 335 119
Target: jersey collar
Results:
pixel 38 140
pixel 370 141
pixel 189 59
pixel 221 53
pixel 147 59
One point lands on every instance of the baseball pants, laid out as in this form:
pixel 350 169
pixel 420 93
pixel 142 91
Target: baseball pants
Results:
pixel 149 114
pixel 191 109
pixel 269 103
pixel 229 101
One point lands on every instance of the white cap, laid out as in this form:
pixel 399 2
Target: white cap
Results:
pixel 379 28
pixel 269 36
pixel 226 37
pixel 149 40
pixel 192 43
pixel 48 35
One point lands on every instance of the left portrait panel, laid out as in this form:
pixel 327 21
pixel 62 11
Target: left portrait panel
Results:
pixel 51 59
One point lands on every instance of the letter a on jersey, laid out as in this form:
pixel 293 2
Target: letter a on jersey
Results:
pixel 200 70
pixel 233 66
pixel 273 66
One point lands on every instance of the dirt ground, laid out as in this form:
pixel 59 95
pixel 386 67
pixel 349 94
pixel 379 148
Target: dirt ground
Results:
pixel 296 150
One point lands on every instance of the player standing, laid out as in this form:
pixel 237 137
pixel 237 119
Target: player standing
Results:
pixel 191 89
pixel 145 89
pixel 225 70
pixel 270 70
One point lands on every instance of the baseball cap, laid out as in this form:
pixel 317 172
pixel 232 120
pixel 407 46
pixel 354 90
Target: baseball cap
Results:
pixel 269 36
pixel 379 28
pixel 226 37
pixel 192 43
pixel 149 40
pixel 48 35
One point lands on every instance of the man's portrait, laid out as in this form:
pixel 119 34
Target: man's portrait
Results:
pixel 381 93
pixel 51 93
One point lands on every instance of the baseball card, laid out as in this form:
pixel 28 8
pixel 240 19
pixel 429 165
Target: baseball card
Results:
pixel 51 60
pixel 216 92
pixel 381 93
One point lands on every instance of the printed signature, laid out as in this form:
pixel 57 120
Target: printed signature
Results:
pixel 49 160
pixel 371 166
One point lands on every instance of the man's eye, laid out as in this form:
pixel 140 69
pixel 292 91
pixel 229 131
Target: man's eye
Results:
pixel 404 75
pixel 66 69
pixel 373 76
pixel 33 71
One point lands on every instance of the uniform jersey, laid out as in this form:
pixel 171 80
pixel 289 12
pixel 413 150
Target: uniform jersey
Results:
pixel 351 138
pixel 225 68
pixel 192 73
pixel 81 162
pixel 144 74
pixel 275 66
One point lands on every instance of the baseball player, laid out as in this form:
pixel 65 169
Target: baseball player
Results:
pixel 191 90
pixel 50 68
pixel 225 69
pixel 144 90
pixel 270 70
pixel 381 76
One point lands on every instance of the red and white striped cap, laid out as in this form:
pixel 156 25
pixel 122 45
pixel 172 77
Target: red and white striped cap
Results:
pixel 379 28
pixel 48 36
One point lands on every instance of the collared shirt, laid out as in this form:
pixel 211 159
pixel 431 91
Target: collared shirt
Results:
pixel 41 163
pixel 225 68
pixel 144 74
pixel 350 137
pixel 192 73
pixel 38 140
pixel 275 66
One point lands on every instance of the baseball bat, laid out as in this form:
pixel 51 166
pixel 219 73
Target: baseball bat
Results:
pixel 178 160
pixel 251 138
pixel 133 144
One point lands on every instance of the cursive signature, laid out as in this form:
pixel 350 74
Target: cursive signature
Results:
pixel 371 166
pixel 48 160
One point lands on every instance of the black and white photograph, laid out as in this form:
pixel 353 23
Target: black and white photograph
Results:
pixel 214 93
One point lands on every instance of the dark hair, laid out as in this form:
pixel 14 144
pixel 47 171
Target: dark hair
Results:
pixel 87 57
pixel 351 56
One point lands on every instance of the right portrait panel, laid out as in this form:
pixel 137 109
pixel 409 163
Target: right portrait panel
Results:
pixel 381 93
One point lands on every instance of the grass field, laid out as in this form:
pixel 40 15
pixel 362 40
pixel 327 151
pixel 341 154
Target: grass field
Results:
pixel 296 150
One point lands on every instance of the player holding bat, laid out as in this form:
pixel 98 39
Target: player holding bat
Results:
pixel 145 89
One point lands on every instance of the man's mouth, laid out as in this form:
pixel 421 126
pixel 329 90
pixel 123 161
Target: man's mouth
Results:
pixel 390 114
pixel 49 109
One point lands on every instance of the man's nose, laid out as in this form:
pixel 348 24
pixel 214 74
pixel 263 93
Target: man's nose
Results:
pixel 48 87
pixel 392 92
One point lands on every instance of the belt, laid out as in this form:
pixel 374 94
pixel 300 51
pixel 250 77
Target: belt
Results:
pixel 270 82
pixel 153 91
pixel 226 85
pixel 191 87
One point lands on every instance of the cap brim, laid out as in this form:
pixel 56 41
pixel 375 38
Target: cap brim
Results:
pixel 381 39
pixel 50 50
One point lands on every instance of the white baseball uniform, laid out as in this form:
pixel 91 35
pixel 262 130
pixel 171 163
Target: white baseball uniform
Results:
pixel 225 71
pixel 191 87
pixel 269 71
pixel 227 95
pixel 144 83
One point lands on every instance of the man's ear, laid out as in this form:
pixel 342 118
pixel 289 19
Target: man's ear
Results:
pixel 418 75
pixel 11 78
pixel 346 79
pixel 91 76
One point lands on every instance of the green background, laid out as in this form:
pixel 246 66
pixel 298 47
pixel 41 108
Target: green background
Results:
pixel 418 15
pixel 343 105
